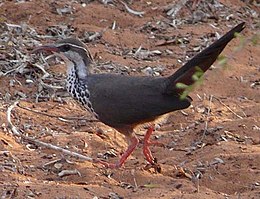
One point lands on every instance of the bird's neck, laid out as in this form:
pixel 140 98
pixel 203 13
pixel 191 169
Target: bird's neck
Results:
pixel 79 67
pixel 77 86
pixel 77 74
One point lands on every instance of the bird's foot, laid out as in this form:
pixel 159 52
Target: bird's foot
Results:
pixel 156 166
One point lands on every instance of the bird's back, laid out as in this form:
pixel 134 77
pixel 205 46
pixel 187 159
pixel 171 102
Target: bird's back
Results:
pixel 129 100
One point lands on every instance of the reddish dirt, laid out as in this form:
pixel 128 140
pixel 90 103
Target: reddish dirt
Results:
pixel 228 158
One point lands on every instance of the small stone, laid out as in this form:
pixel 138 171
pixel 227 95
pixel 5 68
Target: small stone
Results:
pixel 169 52
pixel 28 81
pixel 148 71
pixel 58 165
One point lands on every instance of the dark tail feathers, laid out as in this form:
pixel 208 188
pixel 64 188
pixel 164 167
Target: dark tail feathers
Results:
pixel 203 60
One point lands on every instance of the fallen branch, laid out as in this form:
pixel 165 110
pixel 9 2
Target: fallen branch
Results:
pixel 17 133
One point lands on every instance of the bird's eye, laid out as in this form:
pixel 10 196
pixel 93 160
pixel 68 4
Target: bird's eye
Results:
pixel 65 48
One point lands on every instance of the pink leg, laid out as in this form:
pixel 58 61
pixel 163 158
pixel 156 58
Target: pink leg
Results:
pixel 147 153
pixel 132 145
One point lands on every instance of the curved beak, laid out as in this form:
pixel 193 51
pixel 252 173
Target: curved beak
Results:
pixel 48 48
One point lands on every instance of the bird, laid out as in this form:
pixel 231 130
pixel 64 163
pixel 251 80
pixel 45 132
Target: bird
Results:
pixel 124 102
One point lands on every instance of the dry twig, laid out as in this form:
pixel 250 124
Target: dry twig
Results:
pixel 138 13
pixel 69 172
pixel 240 117
pixel 207 118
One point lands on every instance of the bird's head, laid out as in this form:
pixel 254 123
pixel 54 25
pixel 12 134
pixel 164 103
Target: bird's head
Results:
pixel 72 51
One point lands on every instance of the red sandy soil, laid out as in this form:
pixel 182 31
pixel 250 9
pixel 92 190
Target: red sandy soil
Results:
pixel 228 158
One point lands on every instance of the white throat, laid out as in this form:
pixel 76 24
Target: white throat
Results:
pixel 80 68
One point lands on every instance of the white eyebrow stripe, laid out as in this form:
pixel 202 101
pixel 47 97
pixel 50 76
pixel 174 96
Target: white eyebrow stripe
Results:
pixel 73 45
pixel 70 44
